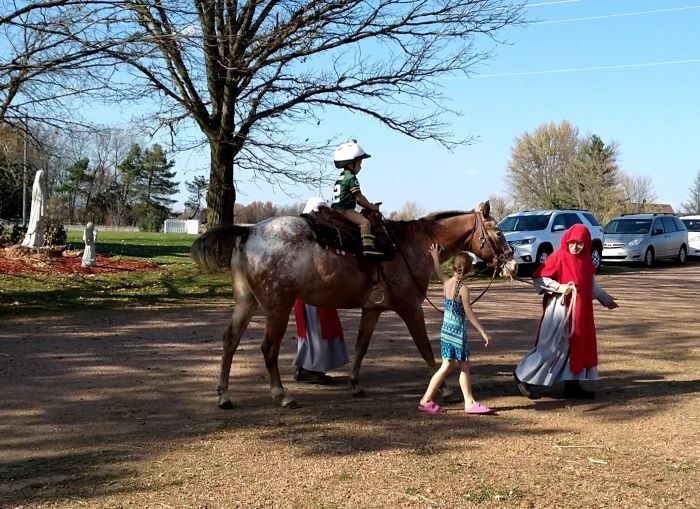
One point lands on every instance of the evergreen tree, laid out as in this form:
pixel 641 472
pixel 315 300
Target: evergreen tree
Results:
pixel 129 170
pixel 76 177
pixel 692 206
pixel 155 179
pixel 197 189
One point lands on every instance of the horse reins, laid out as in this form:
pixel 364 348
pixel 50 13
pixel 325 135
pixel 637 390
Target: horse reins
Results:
pixel 483 238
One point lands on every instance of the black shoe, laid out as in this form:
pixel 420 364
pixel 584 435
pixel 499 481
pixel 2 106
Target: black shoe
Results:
pixel 525 389
pixel 314 377
pixel 573 390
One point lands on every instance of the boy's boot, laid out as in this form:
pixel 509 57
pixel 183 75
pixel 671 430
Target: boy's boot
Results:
pixel 573 389
pixel 368 246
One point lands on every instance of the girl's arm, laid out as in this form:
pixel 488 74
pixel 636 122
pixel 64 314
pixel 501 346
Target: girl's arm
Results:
pixel 435 253
pixel 464 294
pixel 602 296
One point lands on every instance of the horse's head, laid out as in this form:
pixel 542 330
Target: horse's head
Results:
pixel 488 242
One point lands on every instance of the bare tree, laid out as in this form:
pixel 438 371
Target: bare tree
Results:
pixel 538 165
pixel 501 206
pixel 248 73
pixel 46 47
pixel 409 210
pixel 637 190
pixel 692 206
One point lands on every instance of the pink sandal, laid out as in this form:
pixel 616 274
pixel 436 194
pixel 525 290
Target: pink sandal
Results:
pixel 430 408
pixel 477 408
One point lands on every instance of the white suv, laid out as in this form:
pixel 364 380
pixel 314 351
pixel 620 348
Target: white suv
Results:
pixel 535 234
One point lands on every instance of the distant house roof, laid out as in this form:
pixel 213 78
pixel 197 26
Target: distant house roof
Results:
pixel 654 207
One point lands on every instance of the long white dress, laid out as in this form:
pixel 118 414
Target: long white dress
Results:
pixel 34 237
pixel 548 362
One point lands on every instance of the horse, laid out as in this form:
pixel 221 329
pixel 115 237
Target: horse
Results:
pixel 278 260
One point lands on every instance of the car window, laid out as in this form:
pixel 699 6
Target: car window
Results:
pixel 572 219
pixel 693 225
pixel 669 224
pixel 638 226
pixel 658 225
pixel 559 220
pixel 524 223
pixel 679 224
pixel 590 218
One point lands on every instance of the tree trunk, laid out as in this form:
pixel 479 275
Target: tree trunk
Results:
pixel 221 194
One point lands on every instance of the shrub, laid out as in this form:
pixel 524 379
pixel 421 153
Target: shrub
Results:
pixel 54 234
pixel 11 235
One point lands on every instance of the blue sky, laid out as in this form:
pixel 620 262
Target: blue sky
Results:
pixel 637 82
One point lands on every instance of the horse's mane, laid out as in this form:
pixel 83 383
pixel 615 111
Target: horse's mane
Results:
pixel 429 225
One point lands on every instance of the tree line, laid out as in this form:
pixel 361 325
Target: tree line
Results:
pixel 556 167
pixel 104 175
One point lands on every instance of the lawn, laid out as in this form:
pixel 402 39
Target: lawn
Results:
pixel 175 280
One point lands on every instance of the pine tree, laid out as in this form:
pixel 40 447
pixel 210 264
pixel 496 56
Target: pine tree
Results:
pixel 155 180
pixel 197 189
pixel 692 206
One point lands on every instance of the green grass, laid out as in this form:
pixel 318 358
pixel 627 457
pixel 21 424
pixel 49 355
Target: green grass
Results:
pixel 148 246
pixel 175 280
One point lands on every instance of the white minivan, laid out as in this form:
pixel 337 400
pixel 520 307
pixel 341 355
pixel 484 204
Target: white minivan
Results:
pixel 692 223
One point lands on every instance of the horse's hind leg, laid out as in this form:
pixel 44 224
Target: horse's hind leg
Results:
pixel 415 321
pixel 276 326
pixel 246 304
pixel 368 322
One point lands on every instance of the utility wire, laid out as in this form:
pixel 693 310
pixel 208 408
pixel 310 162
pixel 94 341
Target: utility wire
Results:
pixel 542 4
pixel 617 15
pixel 582 69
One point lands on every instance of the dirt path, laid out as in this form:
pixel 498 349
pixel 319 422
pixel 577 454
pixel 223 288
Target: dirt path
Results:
pixel 117 409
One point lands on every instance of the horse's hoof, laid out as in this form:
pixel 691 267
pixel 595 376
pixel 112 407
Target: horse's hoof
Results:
pixel 290 403
pixel 226 405
pixel 358 393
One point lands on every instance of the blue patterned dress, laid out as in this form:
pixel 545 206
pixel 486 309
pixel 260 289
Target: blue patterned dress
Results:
pixel 453 335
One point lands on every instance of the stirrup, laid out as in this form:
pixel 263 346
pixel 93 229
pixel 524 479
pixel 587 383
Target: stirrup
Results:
pixel 371 253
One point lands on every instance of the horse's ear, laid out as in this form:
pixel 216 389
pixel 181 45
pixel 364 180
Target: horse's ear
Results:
pixel 485 208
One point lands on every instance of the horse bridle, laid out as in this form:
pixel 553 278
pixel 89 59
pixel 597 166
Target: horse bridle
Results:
pixel 483 238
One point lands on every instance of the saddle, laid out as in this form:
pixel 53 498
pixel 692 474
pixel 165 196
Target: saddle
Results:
pixel 332 230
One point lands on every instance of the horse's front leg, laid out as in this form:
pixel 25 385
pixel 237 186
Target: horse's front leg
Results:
pixel 276 326
pixel 415 321
pixel 368 322
pixel 242 313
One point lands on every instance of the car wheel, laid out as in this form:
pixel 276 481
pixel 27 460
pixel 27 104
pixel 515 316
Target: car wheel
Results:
pixel 542 253
pixel 649 257
pixel 596 255
pixel 682 255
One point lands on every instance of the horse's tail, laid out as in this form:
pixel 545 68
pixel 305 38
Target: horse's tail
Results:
pixel 213 249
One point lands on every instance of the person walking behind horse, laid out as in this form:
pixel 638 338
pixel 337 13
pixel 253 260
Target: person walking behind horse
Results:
pixel 566 348
pixel 454 347
pixel 321 345
pixel 347 194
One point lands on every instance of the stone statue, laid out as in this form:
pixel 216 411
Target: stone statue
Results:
pixel 37 217
pixel 89 236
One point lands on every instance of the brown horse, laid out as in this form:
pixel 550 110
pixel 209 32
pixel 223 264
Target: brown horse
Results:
pixel 278 260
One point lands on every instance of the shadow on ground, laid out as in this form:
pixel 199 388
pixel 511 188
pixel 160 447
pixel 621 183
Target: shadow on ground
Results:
pixel 87 397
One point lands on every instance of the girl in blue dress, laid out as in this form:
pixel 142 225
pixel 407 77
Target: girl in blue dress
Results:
pixel 454 347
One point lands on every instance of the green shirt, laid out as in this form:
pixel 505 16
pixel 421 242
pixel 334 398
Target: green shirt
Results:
pixel 344 191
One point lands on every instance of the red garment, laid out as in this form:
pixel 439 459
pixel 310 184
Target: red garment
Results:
pixel 563 267
pixel 330 322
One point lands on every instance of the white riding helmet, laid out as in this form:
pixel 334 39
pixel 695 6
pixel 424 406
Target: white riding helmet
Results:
pixel 347 153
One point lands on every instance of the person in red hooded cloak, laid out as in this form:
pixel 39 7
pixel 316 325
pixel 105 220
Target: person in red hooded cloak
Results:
pixel 566 349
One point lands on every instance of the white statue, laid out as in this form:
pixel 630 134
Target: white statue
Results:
pixel 89 236
pixel 37 217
